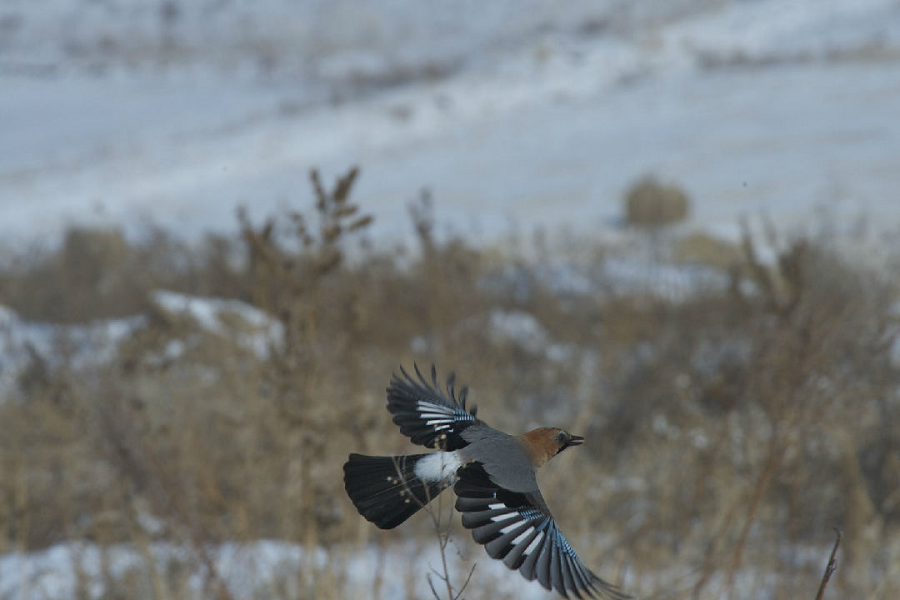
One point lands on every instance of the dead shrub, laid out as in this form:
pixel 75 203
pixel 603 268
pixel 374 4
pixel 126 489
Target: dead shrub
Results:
pixel 650 203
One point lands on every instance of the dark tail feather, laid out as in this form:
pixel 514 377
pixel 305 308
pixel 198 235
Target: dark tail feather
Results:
pixel 385 489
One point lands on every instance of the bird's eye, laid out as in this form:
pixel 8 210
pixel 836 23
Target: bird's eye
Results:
pixel 561 437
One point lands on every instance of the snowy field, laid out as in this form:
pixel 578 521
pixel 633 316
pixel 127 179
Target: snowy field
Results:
pixel 249 570
pixel 253 570
pixel 515 117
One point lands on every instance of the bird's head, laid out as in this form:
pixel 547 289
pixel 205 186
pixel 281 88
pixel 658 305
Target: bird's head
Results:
pixel 544 443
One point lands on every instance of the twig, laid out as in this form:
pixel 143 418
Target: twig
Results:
pixel 762 485
pixel 443 539
pixel 466 582
pixel 431 585
pixel 830 568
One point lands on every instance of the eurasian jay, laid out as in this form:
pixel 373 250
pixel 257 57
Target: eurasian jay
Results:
pixel 492 474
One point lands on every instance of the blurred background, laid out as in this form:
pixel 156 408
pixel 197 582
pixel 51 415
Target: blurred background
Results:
pixel 669 226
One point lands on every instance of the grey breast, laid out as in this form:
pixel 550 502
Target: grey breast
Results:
pixel 503 457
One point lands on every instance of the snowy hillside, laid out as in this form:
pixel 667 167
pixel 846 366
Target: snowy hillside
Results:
pixel 515 117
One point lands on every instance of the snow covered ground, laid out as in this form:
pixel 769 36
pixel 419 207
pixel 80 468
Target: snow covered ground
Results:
pixel 515 116
pixel 23 343
pixel 251 570
pixel 82 347
pixel 266 567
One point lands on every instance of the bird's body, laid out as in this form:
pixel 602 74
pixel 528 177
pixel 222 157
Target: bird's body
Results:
pixel 492 474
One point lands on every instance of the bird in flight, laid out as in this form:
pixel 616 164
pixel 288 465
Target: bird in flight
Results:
pixel 492 474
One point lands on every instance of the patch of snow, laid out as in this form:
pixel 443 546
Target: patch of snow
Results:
pixel 519 327
pixel 673 282
pixel 419 344
pixel 75 346
pixel 258 331
pixel 249 569
pixel 524 330
pixel 712 358
pixel 611 277
pixel 79 347
pixel 699 438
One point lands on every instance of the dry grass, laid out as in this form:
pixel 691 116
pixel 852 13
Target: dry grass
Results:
pixel 728 432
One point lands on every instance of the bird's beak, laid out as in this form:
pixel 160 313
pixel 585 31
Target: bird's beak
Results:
pixel 575 440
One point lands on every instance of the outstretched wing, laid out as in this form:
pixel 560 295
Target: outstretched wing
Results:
pixel 518 529
pixel 426 414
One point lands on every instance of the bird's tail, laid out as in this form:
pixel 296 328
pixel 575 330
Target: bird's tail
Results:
pixel 385 489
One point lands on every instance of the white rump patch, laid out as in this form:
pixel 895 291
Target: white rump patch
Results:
pixel 438 466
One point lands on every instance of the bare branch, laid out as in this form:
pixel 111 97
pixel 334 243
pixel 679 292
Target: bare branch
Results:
pixel 431 585
pixel 466 582
pixel 830 568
